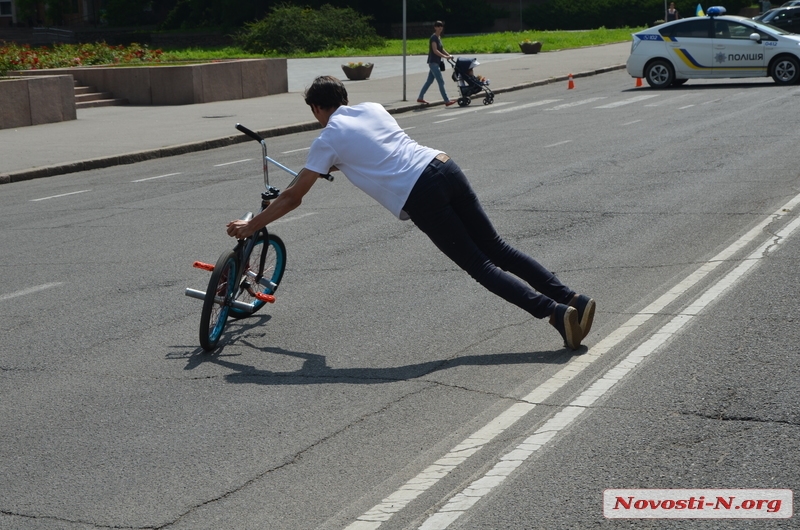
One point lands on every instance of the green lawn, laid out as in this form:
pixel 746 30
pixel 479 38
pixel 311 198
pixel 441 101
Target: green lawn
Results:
pixel 507 42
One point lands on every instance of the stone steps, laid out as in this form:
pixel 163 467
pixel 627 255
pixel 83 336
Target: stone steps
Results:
pixel 88 96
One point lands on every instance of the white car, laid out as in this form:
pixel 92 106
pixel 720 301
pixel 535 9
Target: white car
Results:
pixel 714 46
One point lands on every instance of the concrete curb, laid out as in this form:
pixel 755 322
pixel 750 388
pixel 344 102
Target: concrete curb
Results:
pixel 182 149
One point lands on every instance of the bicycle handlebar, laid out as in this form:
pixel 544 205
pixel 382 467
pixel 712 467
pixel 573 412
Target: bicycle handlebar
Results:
pixel 258 139
pixel 249 133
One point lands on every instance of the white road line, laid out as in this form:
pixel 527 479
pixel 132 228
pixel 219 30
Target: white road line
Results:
pixel 467 498
pixel 631 122
pixel 476 108
pixel 293 218
pixel 57 196
pixel 666 101
pixel 236 162
pixel 442 121
pixel 628 101
pixel 29 290
pixel 158 177
pixel 296 150
pixel 398 500
pixel 559 143
pixel 575 103
pixel 685 107
pixel 526 106
pixel 710 101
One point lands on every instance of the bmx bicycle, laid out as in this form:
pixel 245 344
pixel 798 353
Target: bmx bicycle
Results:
pixel 245 278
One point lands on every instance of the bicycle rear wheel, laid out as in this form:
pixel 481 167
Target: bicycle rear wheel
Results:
pixel 274 265
pixel 216 305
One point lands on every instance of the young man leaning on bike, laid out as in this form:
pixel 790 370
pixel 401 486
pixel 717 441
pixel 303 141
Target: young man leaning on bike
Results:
pixel 425 185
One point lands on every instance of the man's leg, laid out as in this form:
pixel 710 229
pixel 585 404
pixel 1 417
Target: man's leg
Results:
pixel 431 208
pixel 469 209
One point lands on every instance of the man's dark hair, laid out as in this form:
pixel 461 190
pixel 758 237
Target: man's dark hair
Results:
pixel 438 24
pixel 326 92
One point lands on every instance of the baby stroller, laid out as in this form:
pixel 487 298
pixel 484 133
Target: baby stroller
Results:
pixel 468 83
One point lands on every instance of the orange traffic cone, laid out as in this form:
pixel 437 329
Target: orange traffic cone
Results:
pixel 571 83
pixel 638 82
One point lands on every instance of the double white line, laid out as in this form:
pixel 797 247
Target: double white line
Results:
pixel 461 502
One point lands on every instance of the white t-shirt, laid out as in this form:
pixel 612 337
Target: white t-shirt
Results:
pixel 374 153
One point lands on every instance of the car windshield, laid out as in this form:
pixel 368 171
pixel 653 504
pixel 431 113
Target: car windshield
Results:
pixel 765 14
pixel 770 28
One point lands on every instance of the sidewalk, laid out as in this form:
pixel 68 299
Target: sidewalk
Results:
pixel 107 136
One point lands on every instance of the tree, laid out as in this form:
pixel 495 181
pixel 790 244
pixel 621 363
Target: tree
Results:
pixel 227 14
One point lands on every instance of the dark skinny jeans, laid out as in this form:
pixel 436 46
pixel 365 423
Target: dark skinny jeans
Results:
pixel 444 206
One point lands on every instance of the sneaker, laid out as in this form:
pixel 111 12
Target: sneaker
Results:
pixel 565 320
pixel 585 307
pixel 423 101
pixel 451 102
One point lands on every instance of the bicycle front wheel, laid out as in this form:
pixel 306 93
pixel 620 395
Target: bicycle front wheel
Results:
pixel 274 265
pixel 216 305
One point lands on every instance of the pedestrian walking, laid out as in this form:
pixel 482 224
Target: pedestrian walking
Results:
pixel 426 186
pixel 672 13
pixel 436 57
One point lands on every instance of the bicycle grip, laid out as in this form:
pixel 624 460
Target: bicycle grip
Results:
pixel 249 133
pixel 327 177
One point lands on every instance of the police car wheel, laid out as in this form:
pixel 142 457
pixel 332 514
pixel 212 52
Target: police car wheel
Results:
pixel 659 74
pixel 785 70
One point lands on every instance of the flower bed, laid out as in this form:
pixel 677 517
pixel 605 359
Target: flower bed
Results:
pixel 23 57
pixel 154 82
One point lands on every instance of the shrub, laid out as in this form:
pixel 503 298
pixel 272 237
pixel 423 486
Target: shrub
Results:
pixel 289 29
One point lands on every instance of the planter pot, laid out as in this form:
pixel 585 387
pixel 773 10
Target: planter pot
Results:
pixel 530 47
pixel 358 73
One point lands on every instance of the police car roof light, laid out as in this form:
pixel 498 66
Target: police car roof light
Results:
pixel 715 11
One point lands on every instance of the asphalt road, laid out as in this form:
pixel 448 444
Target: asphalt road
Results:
pixel 376 391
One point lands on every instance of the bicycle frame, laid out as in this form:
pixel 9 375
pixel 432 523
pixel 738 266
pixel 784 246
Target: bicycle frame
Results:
pixel 233 273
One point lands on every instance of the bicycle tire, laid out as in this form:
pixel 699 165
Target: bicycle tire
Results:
pixel 215 312
pixel 274 266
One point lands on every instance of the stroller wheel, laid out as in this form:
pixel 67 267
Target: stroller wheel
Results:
pixel 488 100
pixel 464 102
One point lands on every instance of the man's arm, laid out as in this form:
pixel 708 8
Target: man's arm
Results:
pixel 287 201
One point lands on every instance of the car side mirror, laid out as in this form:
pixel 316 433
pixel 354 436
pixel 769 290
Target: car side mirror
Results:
pixel 755 37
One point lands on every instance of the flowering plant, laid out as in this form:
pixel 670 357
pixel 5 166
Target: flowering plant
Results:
pixel 24 57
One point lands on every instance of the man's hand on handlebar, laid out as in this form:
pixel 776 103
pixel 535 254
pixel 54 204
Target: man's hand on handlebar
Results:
pixel 239 229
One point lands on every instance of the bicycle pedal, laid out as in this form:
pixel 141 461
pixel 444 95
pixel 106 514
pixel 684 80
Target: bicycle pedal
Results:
pixel 204 266
pixel 265 297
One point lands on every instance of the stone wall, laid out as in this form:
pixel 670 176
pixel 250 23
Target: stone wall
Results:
pixel 36 100
pixel 185 84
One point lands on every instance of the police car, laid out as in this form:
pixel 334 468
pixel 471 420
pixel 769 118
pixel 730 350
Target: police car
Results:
pixel 714 46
